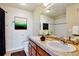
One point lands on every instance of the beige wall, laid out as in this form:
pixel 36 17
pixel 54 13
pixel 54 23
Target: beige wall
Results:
pixel 36 20
pixel 72 16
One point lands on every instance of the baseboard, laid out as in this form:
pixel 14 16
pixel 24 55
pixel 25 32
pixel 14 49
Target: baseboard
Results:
pixel 15 49
pixel 26 51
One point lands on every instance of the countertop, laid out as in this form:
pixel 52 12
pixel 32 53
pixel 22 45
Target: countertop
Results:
pixel 43 45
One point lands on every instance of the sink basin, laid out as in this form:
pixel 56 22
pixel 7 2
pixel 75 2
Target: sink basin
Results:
pixel 61 47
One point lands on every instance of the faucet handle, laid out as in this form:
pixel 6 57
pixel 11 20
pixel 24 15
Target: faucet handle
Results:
pixel 69 38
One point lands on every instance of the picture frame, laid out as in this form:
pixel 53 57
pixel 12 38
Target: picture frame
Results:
pixel 20 23
pixel 45 26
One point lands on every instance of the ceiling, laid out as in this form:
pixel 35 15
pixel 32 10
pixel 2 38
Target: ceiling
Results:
pixel 28 6
pixel 57 9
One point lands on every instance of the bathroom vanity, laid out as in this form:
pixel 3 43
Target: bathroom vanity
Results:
pixel 51 48
pixel 36 49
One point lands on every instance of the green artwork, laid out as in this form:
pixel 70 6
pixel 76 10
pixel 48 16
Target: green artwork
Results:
pixel 20 23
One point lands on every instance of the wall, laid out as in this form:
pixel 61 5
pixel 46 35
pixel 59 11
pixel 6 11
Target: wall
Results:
pixel 36 21
pixel 49 20
pixel 15 38
pixel 61 26
pixel 72 15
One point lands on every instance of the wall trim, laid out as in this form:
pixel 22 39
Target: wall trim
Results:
pixel 15 49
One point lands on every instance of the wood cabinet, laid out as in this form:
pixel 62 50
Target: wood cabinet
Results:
pixel 29 49
pixel 32 48
pixel 35 50
pixel 41 52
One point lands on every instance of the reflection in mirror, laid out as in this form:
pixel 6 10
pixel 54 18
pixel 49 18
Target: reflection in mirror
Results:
pixel 55 16
pixel 46 24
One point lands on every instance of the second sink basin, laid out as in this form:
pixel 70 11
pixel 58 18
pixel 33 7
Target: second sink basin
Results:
pixel 61 47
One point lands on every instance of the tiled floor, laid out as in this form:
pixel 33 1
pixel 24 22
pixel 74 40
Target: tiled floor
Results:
pixel 19 53
pixel 10 52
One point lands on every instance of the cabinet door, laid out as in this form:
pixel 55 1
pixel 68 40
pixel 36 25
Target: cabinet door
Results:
pixel 33 52
pixel 41 52
pixel 33 44
pixel 38 54
pixel 29 50
pixel 32 48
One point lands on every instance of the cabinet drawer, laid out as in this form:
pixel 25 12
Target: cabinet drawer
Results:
pixel 41 52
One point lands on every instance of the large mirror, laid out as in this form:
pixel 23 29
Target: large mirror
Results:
pixel 53 20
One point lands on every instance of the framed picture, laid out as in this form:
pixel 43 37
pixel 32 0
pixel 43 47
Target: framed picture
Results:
pixel 45 26
pixel 20 23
